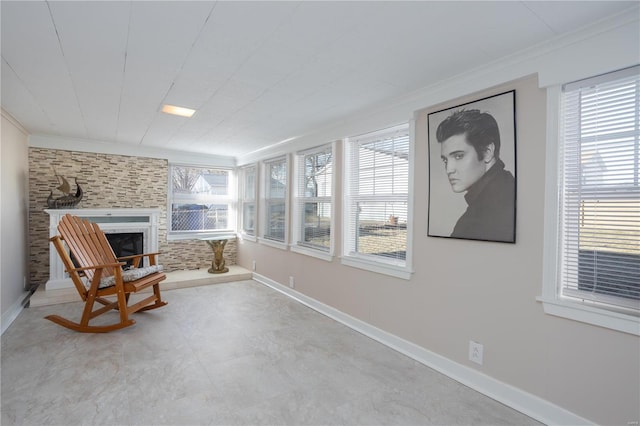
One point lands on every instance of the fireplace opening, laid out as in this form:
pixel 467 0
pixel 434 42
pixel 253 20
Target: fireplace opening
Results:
pixel 126 244
pixel 123 244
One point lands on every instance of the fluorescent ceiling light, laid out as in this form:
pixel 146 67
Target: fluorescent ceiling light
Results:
pixel 176 110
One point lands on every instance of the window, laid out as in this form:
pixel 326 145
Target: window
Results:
pixel 248 191
pixel 275 200
pixel 313 208
pixel 200 200
pixel 377 201
pixel 598 265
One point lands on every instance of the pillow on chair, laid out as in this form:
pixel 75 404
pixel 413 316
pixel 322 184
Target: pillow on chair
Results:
pixel 130 275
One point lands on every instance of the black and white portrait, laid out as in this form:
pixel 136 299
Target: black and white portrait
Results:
pixel 472 170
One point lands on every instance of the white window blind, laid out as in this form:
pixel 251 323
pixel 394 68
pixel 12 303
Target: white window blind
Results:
pixel 377 195
pixel 248 199
pixel 314 198
pixel 275 199
pixel 600 192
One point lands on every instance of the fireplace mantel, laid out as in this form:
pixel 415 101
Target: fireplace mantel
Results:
pixel 110 220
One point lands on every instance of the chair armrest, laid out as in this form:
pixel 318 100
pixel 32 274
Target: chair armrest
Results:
pixel 138 255
pixel 137 258
pixel 102 266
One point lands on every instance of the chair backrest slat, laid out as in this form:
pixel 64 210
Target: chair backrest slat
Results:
pixel 83 250
pixel 87 242
pixel 106 249
pixel 69 233
pixel 92 243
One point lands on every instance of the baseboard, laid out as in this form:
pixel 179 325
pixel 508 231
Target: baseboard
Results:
pixel 12 313
pixel 524 402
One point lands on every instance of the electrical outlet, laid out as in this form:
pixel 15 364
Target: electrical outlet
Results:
pixel 292 282
pixel 253 265
pixel 475 352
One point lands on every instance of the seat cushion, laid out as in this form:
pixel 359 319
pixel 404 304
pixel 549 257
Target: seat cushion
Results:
pixel 130 275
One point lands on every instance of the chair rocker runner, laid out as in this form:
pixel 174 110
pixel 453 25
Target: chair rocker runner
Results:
pixel 104 276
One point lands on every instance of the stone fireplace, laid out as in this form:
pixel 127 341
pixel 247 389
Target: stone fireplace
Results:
pixel 124 221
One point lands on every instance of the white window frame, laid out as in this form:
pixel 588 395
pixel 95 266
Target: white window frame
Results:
pixel 553 302
pixel 376 263
pixel 298 245
pixel 265 200
pixel 245 198
pixel 229 199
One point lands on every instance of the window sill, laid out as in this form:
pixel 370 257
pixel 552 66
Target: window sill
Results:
pixel 272 243
pixel 176 236
pixel 247 237
pixel 378 267
pixel 591 315
pixel 324 255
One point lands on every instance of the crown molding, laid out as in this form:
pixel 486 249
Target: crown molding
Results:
pixel 13 121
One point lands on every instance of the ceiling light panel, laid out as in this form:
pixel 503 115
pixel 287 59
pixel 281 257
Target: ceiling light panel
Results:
pixel 176 110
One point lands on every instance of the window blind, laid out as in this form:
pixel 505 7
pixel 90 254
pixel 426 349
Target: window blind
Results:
pixel 314 195
pixel 248 199
pixel 600 192
pixel 275 198
pixel 377 195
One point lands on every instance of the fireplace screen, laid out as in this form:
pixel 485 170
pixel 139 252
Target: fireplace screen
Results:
pixel 123 244
pixel 126 243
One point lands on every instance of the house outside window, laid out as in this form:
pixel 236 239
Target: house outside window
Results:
pixel 595 277
pixel 275 183
pixel 248 196
pixel 313 207
pixel 200 201
pixel 376 220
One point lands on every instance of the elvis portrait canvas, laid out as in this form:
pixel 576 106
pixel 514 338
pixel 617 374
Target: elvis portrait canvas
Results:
pixel 472 170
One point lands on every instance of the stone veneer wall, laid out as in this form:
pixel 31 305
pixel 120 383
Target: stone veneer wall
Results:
pixel 107 180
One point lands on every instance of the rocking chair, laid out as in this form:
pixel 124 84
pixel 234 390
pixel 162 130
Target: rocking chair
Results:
pixel 100 274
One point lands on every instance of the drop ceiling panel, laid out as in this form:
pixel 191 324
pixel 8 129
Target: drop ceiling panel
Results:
pixel 44 73
pixel 25 107
pixel 270 65
pixel 192 92
pixel 498 36
pixel 160 38
pixel 209 70
pixel 313 25
pixel 561 16
pixel 94 40
pixel 163 129
pixel 242 91
pixel 238 29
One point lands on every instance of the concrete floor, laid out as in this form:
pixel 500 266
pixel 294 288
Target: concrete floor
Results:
pixel 236 353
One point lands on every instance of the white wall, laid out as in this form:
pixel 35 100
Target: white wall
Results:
pixel 564 371
pixel 13 218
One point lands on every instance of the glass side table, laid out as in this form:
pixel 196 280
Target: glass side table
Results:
pixel 217 244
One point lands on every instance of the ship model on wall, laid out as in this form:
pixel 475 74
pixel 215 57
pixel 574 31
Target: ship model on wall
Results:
pixel 68 200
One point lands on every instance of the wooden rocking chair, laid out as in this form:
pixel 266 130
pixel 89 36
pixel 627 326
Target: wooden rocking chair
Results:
pixel 104 275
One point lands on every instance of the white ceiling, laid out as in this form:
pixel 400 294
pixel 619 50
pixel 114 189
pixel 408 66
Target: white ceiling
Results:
pixel 258 73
